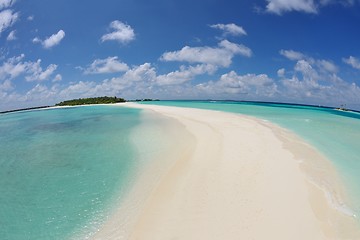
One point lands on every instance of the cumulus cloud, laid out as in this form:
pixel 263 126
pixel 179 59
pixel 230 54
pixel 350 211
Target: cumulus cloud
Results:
pixel 137 81
pixel 218 56
pixel 36 73
pixel 310 80
pixel 230 29
pixel 249 85
pixel 292 55
pixel 51 41
pixel 57 78
pixel 281 72
pixel 306 82
pixel 322 64
pixel 327 66
pixel 7 19
pixel 107 65
pixel 11 36
pixel 307 70
pixel 237 49
pixel 352 61
pixel 6 3
pixel 54 39
pixel 307 6
pixel 144 72
pixel 315 81
pixel 15 66
pixel 121 33
pixel 133 80
pixel 281 6
pixel 185 74
pixel 36 40
pixel 6 86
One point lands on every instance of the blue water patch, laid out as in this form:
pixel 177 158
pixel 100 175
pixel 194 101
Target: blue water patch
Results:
pixel 334 133
pixel 61 169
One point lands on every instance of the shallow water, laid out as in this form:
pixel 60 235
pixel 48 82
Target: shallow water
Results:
pixel 60 169
pixel 334 133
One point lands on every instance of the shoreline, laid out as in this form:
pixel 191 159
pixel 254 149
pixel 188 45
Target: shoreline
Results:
pixel 246 178
pixel 154 161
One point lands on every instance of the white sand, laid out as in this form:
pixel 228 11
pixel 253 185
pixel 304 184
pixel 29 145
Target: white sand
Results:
pixel 244 179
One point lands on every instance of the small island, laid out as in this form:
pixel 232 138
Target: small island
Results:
pixel 95 100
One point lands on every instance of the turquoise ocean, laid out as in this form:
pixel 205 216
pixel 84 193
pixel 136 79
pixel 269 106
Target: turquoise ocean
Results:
pixel 62 170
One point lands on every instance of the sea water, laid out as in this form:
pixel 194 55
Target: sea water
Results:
pixel 61 169
pixel 336 134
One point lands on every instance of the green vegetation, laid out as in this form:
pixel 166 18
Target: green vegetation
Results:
pixel 96 100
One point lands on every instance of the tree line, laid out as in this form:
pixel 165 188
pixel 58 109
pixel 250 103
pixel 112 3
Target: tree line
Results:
pixel 94 100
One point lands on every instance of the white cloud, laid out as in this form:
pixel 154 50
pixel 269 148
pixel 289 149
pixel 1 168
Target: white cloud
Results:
pixel 30 18
pixel 305 90
pixel 308 6
pixel 57 78
pixel 51 41
pixel 78 90
pixel 107 65
pixel 307 70
pixel 328 66
pixel 236 48
pixel 249 85
pixel 122 33
pixel 138 81
pixel 36 72
pixel 15 66
pixel 144 72
pixel 321 64
pixel 54 39
pixel 281 6
pixel 36 40
pixel 315 82
pixel 308 84
pixel 7 19
pixel 217 56
pixel 11 36
pixel 6 86
pixel 36 91
pixel 133 80
pixel 281 72
pixel 185 74
pixel 230 29
pixel 6 3
pixel 352 61
pixel 292 55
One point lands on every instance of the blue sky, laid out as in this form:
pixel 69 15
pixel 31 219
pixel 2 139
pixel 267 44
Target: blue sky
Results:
pixel 300 51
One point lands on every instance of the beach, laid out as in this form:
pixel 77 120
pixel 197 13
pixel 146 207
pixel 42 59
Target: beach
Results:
pixel 239 178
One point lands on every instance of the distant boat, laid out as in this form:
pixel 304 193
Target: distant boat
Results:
pixel 342 108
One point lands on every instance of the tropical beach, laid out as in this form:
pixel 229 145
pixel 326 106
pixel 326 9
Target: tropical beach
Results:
pixel 180 120
pixel 179 170
pixel 243 178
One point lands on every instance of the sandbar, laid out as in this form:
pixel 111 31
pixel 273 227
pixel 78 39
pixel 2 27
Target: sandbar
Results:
pixel 242 178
